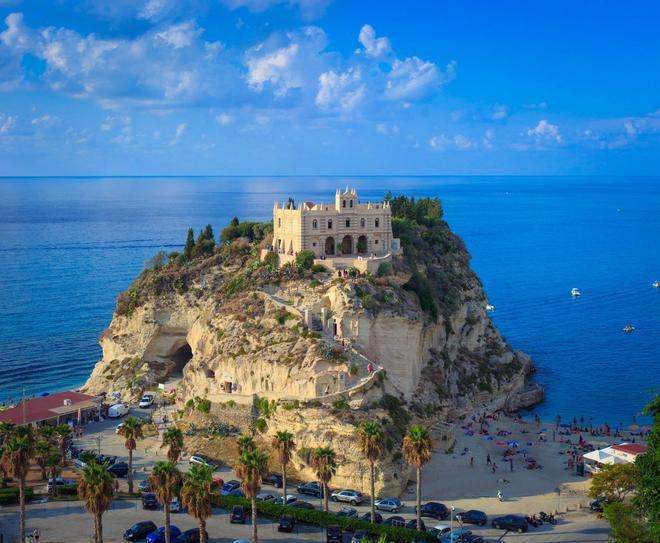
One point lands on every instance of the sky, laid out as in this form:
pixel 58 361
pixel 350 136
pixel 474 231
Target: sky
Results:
pixel 329 87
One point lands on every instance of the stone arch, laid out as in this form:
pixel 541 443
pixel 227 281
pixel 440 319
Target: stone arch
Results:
pixel 180 357
pixel 315 224
pixel 329 246
pixel 347 245
pixel 362 245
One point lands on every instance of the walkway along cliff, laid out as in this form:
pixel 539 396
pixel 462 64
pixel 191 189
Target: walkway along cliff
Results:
pixel 328 346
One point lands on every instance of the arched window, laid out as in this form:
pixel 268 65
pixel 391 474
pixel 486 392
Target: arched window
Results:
pixel 343 203
pixel 377 222
pixel 350 204
pixel 329 224
pixel 348 223
pixel 315 224
pixel 362 222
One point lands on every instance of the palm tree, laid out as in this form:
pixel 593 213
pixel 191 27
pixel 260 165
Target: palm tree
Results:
pixel 95 490
pixel 246 444
pixel 6 430
pixel 62 435
pixel 416 448
pixel 16 460
pixel 250 469
pixel 53 466
pixel 371 440
pixel 47 433
pixel 284 445
pixel 324 461
pixel 42 452
pixel 131 430
pixel 173 439
pixel 164 480
pixel 196 495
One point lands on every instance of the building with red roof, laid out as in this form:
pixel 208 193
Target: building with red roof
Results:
pixel 52 409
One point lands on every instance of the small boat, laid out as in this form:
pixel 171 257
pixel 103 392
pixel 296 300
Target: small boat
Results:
pixel 628 328
pixel 490 307
pixel 656 284
pixel 575 292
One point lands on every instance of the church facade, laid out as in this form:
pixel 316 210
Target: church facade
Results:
pixel 345 227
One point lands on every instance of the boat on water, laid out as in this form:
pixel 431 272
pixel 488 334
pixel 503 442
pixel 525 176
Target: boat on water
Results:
pixel 628 328
pixel 655 284
pixel 490 307
pixel 575 292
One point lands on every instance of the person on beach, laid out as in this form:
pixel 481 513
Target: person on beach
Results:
pixel 471 461
pixel 511 463
pixel 488 462
pixel 499 495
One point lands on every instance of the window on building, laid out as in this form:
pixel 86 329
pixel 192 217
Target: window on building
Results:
pixel 315 224
pixel 362 223
pixel 377 222
pixel 350 204
pixel 343 204
pixel 376 242
pixel 313 244
pixel 279 222
pixel 348 223
pixel 329 224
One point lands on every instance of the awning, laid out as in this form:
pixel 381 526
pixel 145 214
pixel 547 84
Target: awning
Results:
pixel 73 408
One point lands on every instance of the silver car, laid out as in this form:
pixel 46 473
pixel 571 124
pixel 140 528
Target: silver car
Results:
pixel 350 496
pixel 388 504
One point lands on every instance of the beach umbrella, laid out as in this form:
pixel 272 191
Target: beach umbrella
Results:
pixel 513 444
pixel 44 394
pixel 500 443
pixel 633 427
pixel 646 428
pixel 488 438
pixel 565 425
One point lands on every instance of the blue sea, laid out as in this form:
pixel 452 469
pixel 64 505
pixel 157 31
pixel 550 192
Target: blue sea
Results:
pixel 68 246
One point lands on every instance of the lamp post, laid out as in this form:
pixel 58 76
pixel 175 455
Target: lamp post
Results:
pixel 451 524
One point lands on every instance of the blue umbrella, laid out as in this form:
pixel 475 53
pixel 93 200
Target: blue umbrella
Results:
pixel 44 394
pixel 565 425
pixel 513 444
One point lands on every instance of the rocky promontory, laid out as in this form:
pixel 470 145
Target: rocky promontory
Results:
pixel 325 349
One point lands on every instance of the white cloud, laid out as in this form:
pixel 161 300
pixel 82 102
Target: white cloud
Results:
pixel 341 91
pixel 46 119
pixel 439 143
pixel 458 142
pixel 286 63
pixel 180 35
pixel 387 129
pixel 224 119
pixel 373 46
pixel 180 129
pixel 309 9
pixel 463 143
pixel 539 105
pixel 7 123
pixel 416 79
pixel 545 132
pixel 500 112
pixel 488 139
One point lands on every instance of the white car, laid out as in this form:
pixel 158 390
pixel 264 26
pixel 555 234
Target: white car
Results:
pixel 175 505
pixel 147 400
pixel 440 530
pixel 202 460
pixel 266 497
pixel 118 410
pixel 351 496
pixel 389 504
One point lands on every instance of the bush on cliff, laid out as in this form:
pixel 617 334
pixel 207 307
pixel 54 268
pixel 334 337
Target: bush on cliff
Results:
pixel 305 260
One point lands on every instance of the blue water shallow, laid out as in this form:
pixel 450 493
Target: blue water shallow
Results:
pixel 68 246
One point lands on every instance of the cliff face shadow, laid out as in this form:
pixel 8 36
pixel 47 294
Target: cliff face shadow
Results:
pixel 180 357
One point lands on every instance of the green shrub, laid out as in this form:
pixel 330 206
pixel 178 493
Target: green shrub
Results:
pixel 305 260
pixel 368 301
pixel 340 405
pixel 204 405
pixel 261 425
pixel 9 496
pixel 319 268
pixel 68 490
pixel 384 269
pixel 420 286
pixel 190 403
pixel 323 519
pixel 314 283
pixel 270 261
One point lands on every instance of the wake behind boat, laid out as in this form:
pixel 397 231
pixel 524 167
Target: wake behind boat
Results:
pixel 655 284
pixel 629 328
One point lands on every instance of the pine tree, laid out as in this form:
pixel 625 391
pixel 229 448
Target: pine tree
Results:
pixel 190 244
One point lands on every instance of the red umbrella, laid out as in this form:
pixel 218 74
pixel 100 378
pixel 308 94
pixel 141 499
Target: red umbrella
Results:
pixel 633 427
pixel 500 443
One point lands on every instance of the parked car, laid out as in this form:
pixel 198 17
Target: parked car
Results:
pixel 118 410
pixel 274 479
pixel 333 534
pixel 367 517
pixel 236 493
pixel 175 505
pixel 398 522
pixel 473 516
pixel 351 496
pixel 290 498
pixel 435 510
pixel 439 530
pixel 159 535
pixel 597 505
pixel 120 469
pixel 139 531
pixel 302 504
pixel 360 536
pixel 202 460
pixel 149 501
pixel 458 535
pixel 510 522
pixel 58 482
pixel 412 524
pixel 286 524
pixel 391 505
pixel 143 485
pixel 266 497
pixel 237 515
pixel 312 488
pixel 470 538
pixel 349 512
pixel 229 486
pixel 147 400
pixel 189 536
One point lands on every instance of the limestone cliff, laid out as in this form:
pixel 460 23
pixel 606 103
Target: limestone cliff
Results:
pixel 415 340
